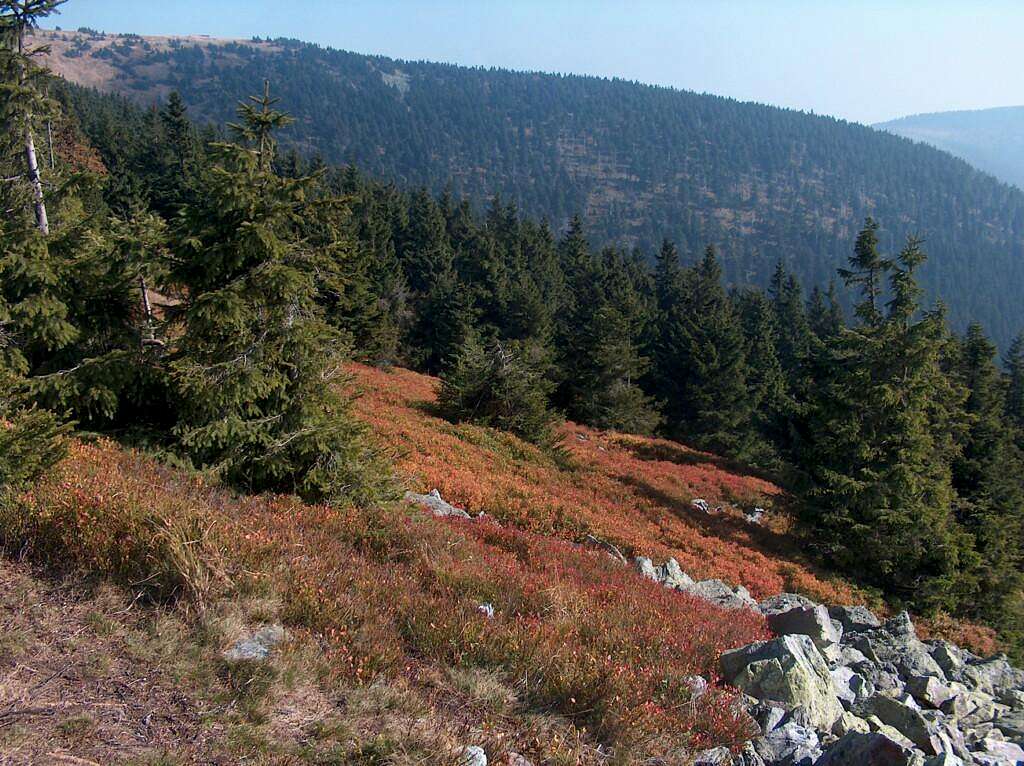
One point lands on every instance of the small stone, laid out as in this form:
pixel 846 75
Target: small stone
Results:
pixel 701 505
pixel 472 755
pixel 257 647
pixel 718 756
pixel 487 610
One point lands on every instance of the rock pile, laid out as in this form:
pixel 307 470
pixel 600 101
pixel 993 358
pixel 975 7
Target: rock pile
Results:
pixel 839 687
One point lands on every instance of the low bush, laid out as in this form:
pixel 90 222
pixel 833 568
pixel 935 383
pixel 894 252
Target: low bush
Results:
pixel 99 512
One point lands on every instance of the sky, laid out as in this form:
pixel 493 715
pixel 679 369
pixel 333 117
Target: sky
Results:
pixel 859 60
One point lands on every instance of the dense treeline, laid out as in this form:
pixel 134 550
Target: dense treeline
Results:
pixel 203 293
pixel 637 163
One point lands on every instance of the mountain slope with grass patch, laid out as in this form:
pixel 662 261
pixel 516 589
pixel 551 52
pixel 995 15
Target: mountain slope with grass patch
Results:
pixel 129 580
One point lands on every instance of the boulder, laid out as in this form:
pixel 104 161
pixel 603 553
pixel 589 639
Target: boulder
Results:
pixel 787 615
pixel 897 646
pixel 789 745
pixel 993 676
pixel 944 759
pixel 645 568
pixel 854 619
pixel 849 722
pixel 671 575
pixel 929 691
pixel 908 721
pixel 872 749
pixel 1012 725
pixel 948 657
pixel 1007 752
pixel 717 592
pixel 255 647
pixel 851 687
pixel 789 670
pixel 436 504
pixel 472 755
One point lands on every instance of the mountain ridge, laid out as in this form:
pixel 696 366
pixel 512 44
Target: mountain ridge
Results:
pixel 639 162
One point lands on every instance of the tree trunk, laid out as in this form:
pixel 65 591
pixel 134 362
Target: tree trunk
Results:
pixel 30 150
pixel 37 184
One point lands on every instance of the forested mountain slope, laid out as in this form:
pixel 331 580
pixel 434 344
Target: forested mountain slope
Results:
pixel 990 139
pixel 638 162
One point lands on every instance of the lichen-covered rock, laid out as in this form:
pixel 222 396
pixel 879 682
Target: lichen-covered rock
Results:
pixel 436 504
pixel 717 592
pixel 645 568
pixel 788 614
pixel 851 687
pixel 256 647
pixel 789 670
pixel 872 749
pixel 908 721
pixel 672 576
pixel 854 619
pixel 789 745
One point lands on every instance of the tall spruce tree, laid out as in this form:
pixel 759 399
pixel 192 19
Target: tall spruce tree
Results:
pixel 704 368
pixel 258 368
pixel 879 492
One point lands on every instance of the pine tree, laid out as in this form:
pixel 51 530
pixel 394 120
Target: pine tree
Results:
pixel 501 385
pixel 986 475
pixel 258 368
pixel 879 493
pixel 766 382
pixel 702 367
pixel 824 312
pixel 1013 363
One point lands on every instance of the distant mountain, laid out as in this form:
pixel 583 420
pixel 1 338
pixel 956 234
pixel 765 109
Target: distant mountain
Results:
pixel 638 162
pixel 989 139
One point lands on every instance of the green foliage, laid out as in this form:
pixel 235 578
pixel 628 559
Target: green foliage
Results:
pixel 501 385
pixel 256 364
pixel 879 489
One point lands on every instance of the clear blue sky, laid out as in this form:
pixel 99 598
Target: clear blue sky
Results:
pixel 858 59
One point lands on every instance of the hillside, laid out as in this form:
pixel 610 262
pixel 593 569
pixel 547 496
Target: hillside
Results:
pixel 640 162
pixel 387 655
pixel 989 139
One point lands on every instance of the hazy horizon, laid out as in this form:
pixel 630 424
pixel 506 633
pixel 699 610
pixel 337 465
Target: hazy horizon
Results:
pixel 839 60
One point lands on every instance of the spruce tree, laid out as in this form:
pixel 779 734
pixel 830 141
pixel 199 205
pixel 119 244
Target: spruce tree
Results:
pixel 703 366
pixel 1013 363
pixel 499 384
pixel 879 492
pixel 257 366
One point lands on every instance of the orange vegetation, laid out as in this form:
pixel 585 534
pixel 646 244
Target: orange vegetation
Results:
pixel 632 491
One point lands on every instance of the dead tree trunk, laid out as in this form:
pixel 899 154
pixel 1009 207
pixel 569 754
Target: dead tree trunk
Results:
pixel 30 150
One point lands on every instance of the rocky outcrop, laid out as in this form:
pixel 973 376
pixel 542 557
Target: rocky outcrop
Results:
pixel 672 576
pixel 437 505
pixel 839 687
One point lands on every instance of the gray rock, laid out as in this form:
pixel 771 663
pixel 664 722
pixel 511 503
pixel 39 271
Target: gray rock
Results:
pixel 789 745
pixel 851 687
pixel 717 756
pixel 899 648
pixel 701 505
pixel 786 614
pixel 849 722
pixel 949 658
pixel 783 602
pixel 873 749
pixel 672 576
pixel 436 505
pixel 929 691
pixel 944 759
pixel 1007 752
pixel 1012 725
pixel 645 568
pixel 487 610
pixel 908 721
pixel 515 759
pixel 854 619
pixel 748 756
pixel 472 755
pixel 717 592
pixel 993 676
pixel 257 647
pixel 789 670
